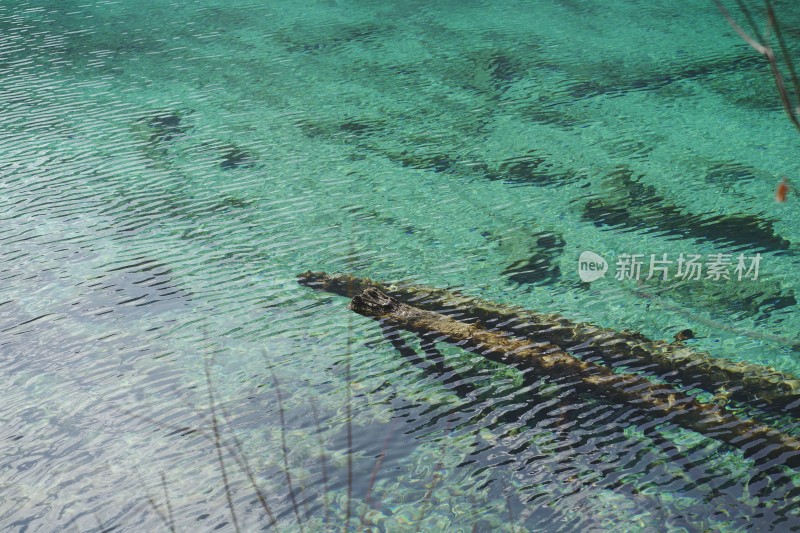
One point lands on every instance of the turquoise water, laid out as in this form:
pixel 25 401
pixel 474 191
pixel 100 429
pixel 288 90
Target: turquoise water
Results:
pixel 169 168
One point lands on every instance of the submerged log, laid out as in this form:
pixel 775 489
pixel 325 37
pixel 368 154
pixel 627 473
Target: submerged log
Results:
pixel 662 402
pixel 742 382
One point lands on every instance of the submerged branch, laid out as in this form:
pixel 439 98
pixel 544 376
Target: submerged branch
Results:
pixel 754 439
pixel 743 382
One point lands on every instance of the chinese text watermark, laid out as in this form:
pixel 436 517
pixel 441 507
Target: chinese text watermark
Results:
pixel 684 266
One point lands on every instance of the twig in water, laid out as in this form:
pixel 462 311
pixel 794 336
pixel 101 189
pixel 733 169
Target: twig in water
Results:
pixel 100 527
pixel 236 453
pixel 349 409
pixel 787 58
pixel 323 461
pixel 378 463
pixel 510 513
pixel 437 476
pixel 218 447
pixel 244 465
pixel 161 516
pixel 349 415
pixel 170 516
pixel 285 452
pixel 760 45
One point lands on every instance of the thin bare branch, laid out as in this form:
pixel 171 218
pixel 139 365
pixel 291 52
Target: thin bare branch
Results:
pixel 437 476
pixel 511 519
pixel 349 415
pixel 751 21
pixel 99 523
pixel 378 463
pixel 167 502
pixel 787 57
pixel 349 412
pixel 782 92
pixel 156 509
pixel 758 47
pixel 218 447
pixel 244 465
pixel 234 451
pixel 285 452
pixel 764 49
pixel 323 461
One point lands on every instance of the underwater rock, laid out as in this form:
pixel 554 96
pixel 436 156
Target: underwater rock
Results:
pixel 235 157
pixel 663 77
pixel 542 113
pixel 434 162
pixel 231 202
pixel 529 169
pixel 351 127
pixel 335 36
pixel 739 300
pixel 169 121
pixel 491 71
pixel 504 69
pixel 637 148
pixel 163 126
pixel 637 206
pixel 532 169
pixel 541 267
pixel 725 174
pixel 355 127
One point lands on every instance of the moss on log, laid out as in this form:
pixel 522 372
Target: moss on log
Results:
pixel 661 402
pixel 742 382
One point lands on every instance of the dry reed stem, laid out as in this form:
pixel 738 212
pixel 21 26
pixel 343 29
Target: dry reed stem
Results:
pixel 437 476
pixel 218 448
pixel 156 509
pixel 244 465
pixel 285 452
pixel 373 476
pixel 760 45
pixel 323 462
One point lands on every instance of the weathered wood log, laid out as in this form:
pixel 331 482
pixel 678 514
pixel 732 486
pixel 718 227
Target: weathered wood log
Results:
pixel 662 402
pixel 742 382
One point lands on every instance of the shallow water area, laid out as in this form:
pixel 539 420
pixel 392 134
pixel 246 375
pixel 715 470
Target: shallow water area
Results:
pixel 168 169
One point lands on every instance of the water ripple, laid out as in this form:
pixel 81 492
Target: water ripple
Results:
pixel 168 170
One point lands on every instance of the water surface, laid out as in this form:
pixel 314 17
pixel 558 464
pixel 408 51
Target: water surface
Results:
pixel 167 169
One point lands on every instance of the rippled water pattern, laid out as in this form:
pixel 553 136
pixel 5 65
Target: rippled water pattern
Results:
pixel 167 169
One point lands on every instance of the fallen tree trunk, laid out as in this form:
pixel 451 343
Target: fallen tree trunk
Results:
pixel 743 382
pixel 756 440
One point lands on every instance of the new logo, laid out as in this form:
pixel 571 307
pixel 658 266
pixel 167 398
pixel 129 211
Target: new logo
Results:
pixel 591 266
